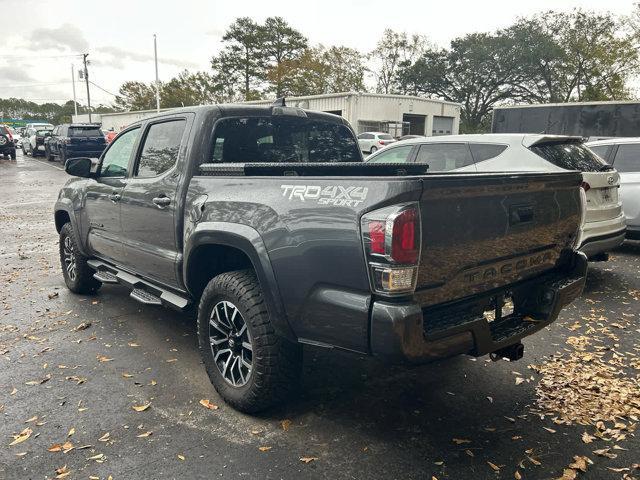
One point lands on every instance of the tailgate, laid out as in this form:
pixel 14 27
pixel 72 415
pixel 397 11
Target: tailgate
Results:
pixel 485 231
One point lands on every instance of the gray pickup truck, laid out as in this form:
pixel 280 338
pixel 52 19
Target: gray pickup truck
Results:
pixel 266 220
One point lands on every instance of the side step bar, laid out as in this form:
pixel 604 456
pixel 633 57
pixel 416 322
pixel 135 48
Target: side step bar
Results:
pixel 141 290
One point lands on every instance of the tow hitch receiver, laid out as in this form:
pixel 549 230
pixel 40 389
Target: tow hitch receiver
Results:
pixel 512 352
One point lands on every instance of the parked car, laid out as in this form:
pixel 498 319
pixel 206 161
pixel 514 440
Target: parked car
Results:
pixel 248 213
pixel 17 137
pixel 75 140
pixel 604 223
pixel 110 135
pixel 33 140
pixel 370 142
pixel 624 155
pixel 409 137
pixel 7 147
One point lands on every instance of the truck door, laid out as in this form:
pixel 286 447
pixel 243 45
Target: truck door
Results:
pixel 150 214
pixel 103 198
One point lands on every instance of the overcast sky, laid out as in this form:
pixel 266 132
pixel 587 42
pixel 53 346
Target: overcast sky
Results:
pixel 36 48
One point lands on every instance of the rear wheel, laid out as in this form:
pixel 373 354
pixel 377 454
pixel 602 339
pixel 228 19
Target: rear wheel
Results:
pixel 373 149
pixel 249 364
pixel 77 274
pixel 13 154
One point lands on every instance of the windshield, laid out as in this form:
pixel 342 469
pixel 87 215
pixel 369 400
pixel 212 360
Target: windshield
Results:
pixel 571 156
pixel 282 139
pixel 85 132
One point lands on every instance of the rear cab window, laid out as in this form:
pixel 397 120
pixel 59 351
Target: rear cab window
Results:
pixel 282 139
pixel 570 156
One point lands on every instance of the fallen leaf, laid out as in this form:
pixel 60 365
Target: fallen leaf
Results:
pixel 604 452
pixel 550 430
pixel 308 459
pixel 579 463
pixel 145 435
pixel 285 424
pixel 264 449
pixel 207 404
pixel 171 360
pixel 105 437
pixel 103 359
pixel 131 344
pixel 586 438
pixel 62 472
pixel 71 432
pixel 460 441
pixel 495 467
pixel 517 475
pixel 32 419
pixel 53 295
pixel 568 474
pixel 519 380
pixel 127 375
pixel 97 457
pixel 39 382
pixel 141 408
pixel 82 326
pixel 22 436
pixel 181 457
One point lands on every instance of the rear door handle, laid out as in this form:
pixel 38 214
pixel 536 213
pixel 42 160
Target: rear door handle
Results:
pixel 115 197
pixel 162 201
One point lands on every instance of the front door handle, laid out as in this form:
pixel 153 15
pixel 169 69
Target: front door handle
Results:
pixel 115 197
pixel 162 201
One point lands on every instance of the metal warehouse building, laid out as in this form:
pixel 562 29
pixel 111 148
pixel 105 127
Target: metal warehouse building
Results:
pixel 395 114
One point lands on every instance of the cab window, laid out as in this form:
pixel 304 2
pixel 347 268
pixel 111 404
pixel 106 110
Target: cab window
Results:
pixel 161 147
pixel 115 162
pixel 442 157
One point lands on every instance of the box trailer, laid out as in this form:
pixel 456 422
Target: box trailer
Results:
pixel 587 119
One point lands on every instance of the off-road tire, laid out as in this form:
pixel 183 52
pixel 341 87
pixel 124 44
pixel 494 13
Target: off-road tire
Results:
pixel 82 282
pixel 276 361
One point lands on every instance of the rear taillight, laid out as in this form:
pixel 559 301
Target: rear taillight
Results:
pixel 391 238
pixel 381 142
pixel 10 136
pixel 585 186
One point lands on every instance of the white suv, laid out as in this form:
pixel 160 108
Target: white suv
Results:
pixel 604 223
pixel 624 155
pixel 370 142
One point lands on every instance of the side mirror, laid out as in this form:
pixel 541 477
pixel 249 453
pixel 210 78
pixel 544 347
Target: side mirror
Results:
pixel 79 167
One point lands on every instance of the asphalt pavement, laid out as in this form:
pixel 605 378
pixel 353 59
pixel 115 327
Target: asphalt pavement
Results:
pixel 72 369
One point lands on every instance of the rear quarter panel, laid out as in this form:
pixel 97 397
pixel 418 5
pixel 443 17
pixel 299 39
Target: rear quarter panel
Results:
pixel 630 196
pixel 310 228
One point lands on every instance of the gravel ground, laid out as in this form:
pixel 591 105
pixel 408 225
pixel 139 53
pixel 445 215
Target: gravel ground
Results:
pixel 72 390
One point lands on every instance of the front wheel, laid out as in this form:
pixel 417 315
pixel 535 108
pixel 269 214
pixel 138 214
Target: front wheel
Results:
pixel 248 363
pixel 77 274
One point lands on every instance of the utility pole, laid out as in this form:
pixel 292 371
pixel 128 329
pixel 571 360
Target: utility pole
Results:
pixel 155 56
pixel 73 82
pixel 86 80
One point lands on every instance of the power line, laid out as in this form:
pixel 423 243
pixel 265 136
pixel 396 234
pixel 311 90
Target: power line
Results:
pixel 41 56
pixel 105 91
pixel 20 85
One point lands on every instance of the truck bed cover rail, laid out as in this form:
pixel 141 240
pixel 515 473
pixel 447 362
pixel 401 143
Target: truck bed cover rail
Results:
pixel 312 169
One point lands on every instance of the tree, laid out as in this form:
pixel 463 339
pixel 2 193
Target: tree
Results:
pixel 320 70
pixel 393 52
pixel 242 58
pixel 135 96
pixel 576 56
pixel 479 71
pixel 199 88
pixel 280 43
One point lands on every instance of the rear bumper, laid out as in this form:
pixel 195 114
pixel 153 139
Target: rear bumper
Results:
pixel 406 333
pixel 603 243
pixel 602 236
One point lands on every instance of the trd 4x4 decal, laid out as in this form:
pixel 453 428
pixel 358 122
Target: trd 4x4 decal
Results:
pixel 330 195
